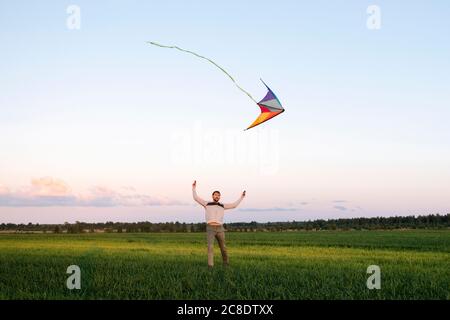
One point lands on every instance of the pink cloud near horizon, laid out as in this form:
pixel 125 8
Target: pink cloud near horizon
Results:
pixel 49 192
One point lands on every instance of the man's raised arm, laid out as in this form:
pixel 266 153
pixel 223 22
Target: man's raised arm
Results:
pixel 196 197
pixel 234 204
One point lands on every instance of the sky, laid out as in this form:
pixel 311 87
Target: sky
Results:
pixel 97 125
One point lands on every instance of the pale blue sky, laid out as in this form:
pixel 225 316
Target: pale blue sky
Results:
pixel 366 119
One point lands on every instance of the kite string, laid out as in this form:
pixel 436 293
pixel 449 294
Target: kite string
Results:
pixel 202 57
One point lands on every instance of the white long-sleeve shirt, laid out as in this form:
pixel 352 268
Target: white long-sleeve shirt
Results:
pixel 214 211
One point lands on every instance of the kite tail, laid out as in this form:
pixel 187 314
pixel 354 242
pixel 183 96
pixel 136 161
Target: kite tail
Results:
pixel 202 57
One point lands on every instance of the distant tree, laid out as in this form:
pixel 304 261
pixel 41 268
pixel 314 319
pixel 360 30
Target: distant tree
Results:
pixel 57 229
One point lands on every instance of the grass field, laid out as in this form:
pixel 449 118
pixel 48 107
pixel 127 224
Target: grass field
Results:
pixel 289 265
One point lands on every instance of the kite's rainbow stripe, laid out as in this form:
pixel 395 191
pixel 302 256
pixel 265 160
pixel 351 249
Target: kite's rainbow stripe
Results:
pixel 270 107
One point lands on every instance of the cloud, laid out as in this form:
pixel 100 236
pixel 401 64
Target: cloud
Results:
pixel 295 203
pixel 127 196
pixel 48 192
pixel 3 189
pixel 48 186
pixel 340 201
pixel 268 209
pixel 342 208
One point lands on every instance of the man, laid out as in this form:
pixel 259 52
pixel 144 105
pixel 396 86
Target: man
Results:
pixel 214 222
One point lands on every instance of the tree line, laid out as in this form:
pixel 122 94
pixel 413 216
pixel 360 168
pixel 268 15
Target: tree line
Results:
pixel 433 221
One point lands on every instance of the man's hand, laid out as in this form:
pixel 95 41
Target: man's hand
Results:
pixel 243 193
pixel 194 184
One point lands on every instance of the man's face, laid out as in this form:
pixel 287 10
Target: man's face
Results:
pixel 216 196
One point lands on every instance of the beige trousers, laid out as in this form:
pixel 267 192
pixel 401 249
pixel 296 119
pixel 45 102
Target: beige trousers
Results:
pixel 216 232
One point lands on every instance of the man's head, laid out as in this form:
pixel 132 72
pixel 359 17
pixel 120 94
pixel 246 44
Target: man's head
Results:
pixel 216 196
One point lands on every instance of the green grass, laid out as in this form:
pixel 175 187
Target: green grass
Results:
pixel 289 265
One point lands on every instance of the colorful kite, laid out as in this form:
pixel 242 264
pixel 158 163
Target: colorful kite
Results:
pixel 270 105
